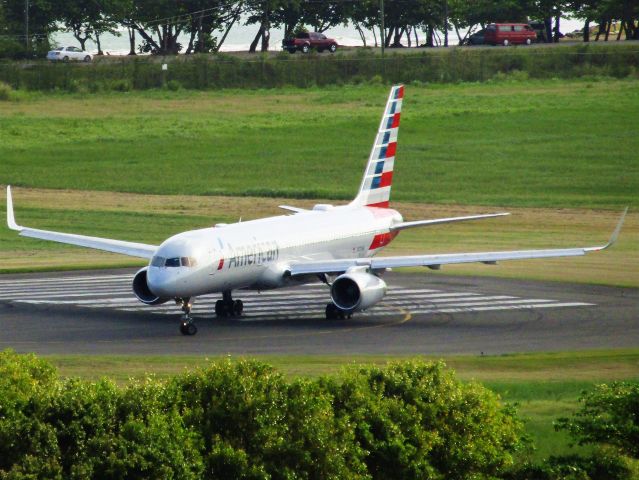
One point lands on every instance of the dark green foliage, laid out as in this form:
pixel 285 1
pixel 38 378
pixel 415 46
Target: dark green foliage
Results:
pixel 416 421
pixel 223 71
pixel 244 420
pixel 601 465
pixel 609 415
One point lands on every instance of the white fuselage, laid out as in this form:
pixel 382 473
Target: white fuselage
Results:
pixel 255 254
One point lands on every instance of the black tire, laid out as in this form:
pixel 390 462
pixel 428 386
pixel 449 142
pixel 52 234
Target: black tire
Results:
pixel 238 307
pixel 87 59
pixel 220 309
pixel 332 48
pixel 306 48
pixel 188 328
pixel 292 50
pixel 65 59
pixel 332 312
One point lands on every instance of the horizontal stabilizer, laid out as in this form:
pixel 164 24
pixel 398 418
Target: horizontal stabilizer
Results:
pixel 439 221
pixel 293 209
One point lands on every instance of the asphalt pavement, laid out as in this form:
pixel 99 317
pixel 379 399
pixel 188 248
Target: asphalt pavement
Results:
pixel 423 313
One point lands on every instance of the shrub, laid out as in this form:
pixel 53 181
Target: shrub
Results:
pixel 173 85
pixel 245 420
pixel 5 92
pixel 600 465
pixel 417 421
pixel 609 415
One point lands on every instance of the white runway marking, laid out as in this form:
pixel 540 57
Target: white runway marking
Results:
pixel 305 301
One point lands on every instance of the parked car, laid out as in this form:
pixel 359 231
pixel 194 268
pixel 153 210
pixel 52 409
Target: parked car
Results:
pixel 509 33
pixel 67 54
pixel 476 38
pixel 304 41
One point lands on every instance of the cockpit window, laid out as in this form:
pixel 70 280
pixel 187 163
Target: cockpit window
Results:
pixel 157 261
pixel 172 262
pixel 188 261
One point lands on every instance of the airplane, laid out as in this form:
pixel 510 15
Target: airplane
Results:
pixel 336 245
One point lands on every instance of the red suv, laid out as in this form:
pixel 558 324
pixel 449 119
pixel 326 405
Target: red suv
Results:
pixel 305 41
pixel 507 33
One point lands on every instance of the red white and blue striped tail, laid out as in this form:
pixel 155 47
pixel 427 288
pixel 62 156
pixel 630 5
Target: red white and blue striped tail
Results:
pixel 376 184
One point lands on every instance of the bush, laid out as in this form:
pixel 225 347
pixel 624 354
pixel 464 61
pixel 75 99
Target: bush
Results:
pixel 416 420
pixel 600 465
pixel 244 420
pixel 173 85
pixel 609 415
pixel 6 92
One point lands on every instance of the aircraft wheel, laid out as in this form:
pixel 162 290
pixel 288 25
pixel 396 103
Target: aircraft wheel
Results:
pixel 332 312
pixel 220 308
pixel 238 307
pixel 188 328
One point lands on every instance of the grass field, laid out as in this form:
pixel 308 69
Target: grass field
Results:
pixel 545 386
pixel 554 143
pixel 495 146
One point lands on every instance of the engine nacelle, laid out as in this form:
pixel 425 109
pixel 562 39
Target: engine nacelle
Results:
pixel 354 291
pixel 143 292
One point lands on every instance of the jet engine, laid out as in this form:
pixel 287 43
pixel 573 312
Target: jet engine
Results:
pixel 355 291
pixel 142 290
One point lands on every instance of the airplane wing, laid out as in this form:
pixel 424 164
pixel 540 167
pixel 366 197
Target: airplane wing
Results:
pixel 132 249
pixel 436 261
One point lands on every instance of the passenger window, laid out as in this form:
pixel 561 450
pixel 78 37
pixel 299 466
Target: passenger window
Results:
pixel 172 262
pixel 519 28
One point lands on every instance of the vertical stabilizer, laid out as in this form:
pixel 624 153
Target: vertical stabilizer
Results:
pixel 378 176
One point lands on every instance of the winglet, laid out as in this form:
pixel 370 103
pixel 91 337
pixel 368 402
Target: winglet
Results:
pixel 613 237
pixel 11 221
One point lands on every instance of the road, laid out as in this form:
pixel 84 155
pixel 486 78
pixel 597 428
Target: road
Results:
pixel 96 313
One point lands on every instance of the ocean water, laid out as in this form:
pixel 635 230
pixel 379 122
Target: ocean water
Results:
pixel 241 36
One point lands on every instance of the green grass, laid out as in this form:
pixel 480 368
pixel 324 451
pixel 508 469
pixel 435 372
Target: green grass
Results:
pixel 553 143
pixel 545 386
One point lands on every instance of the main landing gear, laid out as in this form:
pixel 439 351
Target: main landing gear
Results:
pixel 187 327
pixel 334 313
pixel 227 307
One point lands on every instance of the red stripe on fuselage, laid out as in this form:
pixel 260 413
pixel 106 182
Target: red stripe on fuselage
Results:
pixel 382 239
pixel 221 264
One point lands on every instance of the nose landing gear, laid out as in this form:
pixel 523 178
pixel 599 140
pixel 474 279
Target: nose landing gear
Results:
pixel 227 307
pixel 187 327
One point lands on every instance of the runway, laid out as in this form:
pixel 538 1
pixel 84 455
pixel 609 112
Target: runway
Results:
pixel 96 312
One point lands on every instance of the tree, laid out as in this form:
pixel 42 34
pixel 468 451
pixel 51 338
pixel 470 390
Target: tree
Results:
pixel 159 23
pixel 88 20
pixel 609 415
pixel 43 16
